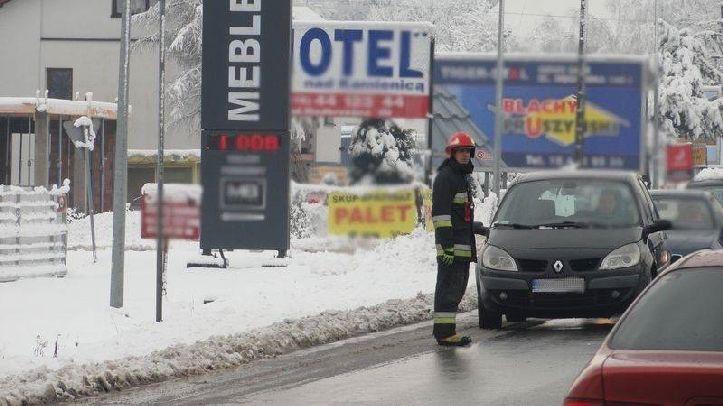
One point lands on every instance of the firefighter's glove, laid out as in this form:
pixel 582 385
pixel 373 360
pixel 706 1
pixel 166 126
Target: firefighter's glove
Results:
pixel 447 257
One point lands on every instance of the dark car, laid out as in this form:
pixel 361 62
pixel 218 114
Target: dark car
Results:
pixel 712 186
pixel 569 244
pixel 697 219
pixel 667 349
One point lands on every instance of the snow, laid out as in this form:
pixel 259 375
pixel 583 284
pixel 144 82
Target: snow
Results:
pixel 174 193
pixel 62 338
pixel 710 173
pixel 29 105
pixel 89 137
pixel 73 311
pixel 182 153
pixel 79 233
pixel 305 13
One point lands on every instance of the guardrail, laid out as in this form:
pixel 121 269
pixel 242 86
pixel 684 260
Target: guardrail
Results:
pixel 33 232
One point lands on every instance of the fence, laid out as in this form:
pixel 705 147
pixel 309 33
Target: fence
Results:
pixel 33 232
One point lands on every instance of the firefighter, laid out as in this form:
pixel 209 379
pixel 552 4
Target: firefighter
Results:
pixel 453 219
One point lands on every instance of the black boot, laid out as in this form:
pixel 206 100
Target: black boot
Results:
pixel 455 341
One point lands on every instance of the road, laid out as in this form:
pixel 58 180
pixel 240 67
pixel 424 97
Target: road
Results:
pixel 532 363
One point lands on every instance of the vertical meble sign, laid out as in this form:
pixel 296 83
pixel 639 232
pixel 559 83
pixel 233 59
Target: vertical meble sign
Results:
pixel 245 119
pixel 246 53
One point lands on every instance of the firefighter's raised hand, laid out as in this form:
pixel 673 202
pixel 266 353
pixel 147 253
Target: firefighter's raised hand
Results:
pixel 447 257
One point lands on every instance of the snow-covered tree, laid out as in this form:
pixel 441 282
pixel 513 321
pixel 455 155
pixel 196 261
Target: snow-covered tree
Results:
pixel 381 154
pixel 184 26
pixel 299 218
pixel 686 66
pixel 459 25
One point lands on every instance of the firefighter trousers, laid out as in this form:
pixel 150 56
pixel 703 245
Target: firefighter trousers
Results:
pixel 451 285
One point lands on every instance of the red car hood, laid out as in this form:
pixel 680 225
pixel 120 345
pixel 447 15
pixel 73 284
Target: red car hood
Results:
pixel 664 377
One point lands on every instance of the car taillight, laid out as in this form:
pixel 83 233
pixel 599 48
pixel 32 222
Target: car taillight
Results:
pixel 583 402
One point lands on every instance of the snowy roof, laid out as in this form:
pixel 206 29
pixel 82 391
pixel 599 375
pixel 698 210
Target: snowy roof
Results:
pixel 29 105
pixel 709 173
pixel 149 156
pixel 304 13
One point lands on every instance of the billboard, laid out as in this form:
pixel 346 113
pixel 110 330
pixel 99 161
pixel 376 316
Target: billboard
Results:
pixel 679 162
pixel 361 69
pixel 374 214
pixel 246 190
pixel 539 108
pixel 245 140
pixel 246 52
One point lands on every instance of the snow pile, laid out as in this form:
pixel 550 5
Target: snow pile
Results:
pixel 710 173
pixel 176 153
pixel 63 190
pixel 174 193
pixel 79 233
pixel 74 311
pixel 44 385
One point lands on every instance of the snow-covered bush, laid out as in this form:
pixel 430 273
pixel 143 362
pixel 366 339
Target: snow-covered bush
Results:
pixel 382 155
pixel 301 226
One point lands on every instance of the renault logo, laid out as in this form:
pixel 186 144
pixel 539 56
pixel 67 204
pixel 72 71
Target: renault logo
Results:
pixel 558 266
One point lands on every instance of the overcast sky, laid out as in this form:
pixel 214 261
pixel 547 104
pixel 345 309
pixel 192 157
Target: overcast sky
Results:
pixel 523 15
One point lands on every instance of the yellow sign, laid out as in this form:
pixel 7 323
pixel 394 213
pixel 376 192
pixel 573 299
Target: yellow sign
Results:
pixel 700 155
pixel 377 214
pixel 555 119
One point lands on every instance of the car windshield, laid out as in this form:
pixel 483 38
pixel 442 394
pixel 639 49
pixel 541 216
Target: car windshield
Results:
pixel 569 203
pixel 716 191
pixel 682 311
pixel 686 213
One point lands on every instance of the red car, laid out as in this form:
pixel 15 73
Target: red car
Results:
pixel 667 349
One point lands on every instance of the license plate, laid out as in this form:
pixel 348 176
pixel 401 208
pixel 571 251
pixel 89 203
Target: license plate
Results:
pixel 563 285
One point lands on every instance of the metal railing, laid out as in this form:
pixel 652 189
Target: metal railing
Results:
pixel 33 233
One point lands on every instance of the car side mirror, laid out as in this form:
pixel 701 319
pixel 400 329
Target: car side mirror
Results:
pixel 660 225
pixel 480 229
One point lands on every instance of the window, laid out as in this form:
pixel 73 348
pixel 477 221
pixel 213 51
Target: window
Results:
pixel 59 82
pixel 686 213
pixel 137 6
pixel 586 202
pixel 680 312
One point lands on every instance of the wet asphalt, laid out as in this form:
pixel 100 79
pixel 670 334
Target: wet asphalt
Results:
pixel 531 363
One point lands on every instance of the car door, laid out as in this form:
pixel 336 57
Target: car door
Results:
pixel 656 241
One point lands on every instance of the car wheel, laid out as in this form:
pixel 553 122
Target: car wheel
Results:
pixel 489 319
pixel 515 317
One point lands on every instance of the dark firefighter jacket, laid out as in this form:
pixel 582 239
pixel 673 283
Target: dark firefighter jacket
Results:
pixel 453 211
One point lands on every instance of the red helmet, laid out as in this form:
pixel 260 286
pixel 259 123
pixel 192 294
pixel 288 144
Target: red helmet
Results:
pixel 460 140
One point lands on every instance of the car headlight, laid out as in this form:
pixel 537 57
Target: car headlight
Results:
pixel 497 259
pixel 623 257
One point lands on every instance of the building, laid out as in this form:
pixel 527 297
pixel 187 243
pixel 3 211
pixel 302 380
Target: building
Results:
pixel 70 47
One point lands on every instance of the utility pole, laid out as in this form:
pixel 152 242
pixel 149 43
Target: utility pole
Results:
pixel 120 167
pixel 160 241
pixel 499 116
pixel 580 94
pixel 655 178
pixel 720 85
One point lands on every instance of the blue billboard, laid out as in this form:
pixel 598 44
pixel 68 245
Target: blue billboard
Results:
pixel 539 108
